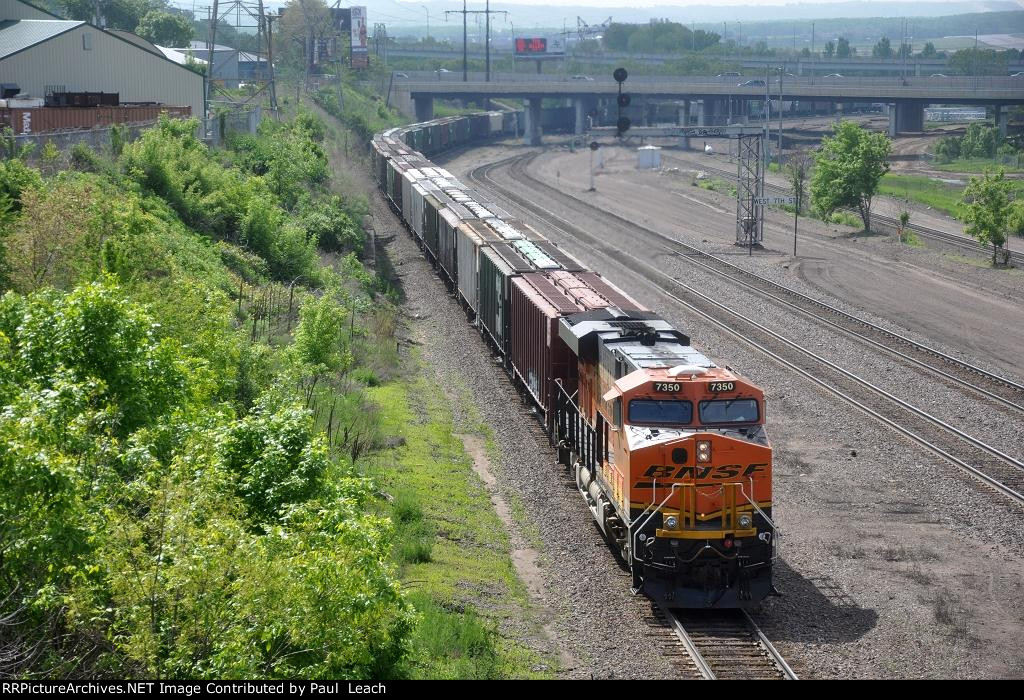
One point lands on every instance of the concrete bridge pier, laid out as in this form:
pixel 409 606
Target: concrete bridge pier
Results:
pixel 532 128
pixel 1002 119
pixel 583 106
pixel 906 116
pixel 683 119
pixel 713 112
pixel 424 108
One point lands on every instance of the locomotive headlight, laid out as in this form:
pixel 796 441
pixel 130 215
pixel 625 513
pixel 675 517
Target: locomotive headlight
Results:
pixel 671 522
pixel 746 521
pixel 703 450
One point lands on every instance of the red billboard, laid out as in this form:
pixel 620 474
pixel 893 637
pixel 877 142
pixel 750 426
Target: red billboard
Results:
pixel 535 45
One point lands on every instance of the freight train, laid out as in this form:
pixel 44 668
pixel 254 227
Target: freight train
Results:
pixel 667 449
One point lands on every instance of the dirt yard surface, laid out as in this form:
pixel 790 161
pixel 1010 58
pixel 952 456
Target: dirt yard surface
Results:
pixel 895 564
pixel 961 304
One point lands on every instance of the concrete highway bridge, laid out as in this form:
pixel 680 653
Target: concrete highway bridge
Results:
pixel 710 101
pixel 798 65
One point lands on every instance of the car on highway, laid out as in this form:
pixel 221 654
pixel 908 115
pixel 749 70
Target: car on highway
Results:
pixel 939 75
pixel 401 75
pixel 1017 75
pixel 582 77
pixel 833 75
pixel 751 83
pixel 730 74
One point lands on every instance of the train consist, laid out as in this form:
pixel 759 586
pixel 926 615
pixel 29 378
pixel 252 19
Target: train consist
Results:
pixel 667 449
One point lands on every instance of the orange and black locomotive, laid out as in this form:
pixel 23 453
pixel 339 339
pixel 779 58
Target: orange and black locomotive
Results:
pixel 668 450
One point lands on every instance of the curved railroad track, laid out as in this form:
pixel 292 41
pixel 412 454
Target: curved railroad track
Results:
pixel 1000 390
pixel 998 470
pixel 935 234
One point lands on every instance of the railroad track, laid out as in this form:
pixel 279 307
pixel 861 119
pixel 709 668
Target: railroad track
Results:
pixel 723 645
pixel 935 234
pixel 998 470
pixel 1001 390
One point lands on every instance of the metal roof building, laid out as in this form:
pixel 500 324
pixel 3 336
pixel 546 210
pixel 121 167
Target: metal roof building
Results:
pixel 40 51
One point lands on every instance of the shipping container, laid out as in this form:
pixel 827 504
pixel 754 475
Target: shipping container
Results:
pixel 41 120
pixel 497 266
pixel 471 237
pixel 409 178
pixel 515 229
pixel 608 291
pixel 447 228
pixel 414 215
pixel 431 206
pixel 495 120
pixel 538 355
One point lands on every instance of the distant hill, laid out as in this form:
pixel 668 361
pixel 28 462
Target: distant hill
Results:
pixel 550 15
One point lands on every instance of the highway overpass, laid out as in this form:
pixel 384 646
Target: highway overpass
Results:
pixel 708 100
pixel 798 65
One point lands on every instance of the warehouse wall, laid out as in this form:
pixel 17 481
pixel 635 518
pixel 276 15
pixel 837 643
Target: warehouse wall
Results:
pixel 111 65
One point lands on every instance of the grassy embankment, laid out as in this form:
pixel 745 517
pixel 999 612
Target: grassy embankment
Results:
pixel 188 425
pixel 942 196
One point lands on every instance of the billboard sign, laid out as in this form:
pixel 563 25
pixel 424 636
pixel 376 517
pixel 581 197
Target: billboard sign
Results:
pixel 360 47
pixel 540 47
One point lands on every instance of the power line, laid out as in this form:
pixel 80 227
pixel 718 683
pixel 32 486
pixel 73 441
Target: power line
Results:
pixel 465 58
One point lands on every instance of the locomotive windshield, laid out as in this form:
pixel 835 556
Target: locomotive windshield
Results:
pixel 650 411
pixel 728 411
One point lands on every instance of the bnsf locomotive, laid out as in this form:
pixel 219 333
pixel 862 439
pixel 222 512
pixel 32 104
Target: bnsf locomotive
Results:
pixel 667 449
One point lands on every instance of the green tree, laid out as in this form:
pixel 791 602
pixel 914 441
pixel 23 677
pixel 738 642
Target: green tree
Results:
pixel 1017 217
pixel 987 210
pixel 978 62
pixel 928 51
pixel 848 169
pixel 830 49
pixel 883 49
pixel 843 49
pixel 118 14
pixel 165 29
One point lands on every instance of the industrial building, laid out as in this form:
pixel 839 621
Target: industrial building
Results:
pixel 41 54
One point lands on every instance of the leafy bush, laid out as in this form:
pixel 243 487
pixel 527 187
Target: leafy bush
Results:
pixel 276 458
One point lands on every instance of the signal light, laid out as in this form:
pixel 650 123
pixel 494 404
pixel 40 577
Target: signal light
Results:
pixel 727 542
pixel 623 123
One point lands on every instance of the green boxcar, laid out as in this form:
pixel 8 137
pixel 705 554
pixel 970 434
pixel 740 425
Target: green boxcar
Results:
pixel 496 273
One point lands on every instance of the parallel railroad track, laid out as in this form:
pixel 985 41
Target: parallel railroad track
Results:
pixel 955 239
pixel 1001 390
pixel 1001 472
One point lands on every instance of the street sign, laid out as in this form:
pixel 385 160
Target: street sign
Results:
pixel 620 75
pixel 594 145
pixel 775 199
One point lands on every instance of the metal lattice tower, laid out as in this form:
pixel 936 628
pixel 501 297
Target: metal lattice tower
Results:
pixel 749 185
pixel 586 31
pixel 242 12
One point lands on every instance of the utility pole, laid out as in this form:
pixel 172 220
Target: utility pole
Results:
pixel 782 71
pixel 269 19
pixel 464 12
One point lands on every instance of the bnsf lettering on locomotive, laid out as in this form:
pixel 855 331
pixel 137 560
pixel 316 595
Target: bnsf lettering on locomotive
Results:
pixel 725 471
pixel 657 472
